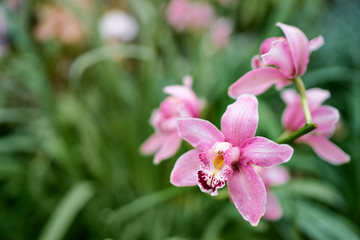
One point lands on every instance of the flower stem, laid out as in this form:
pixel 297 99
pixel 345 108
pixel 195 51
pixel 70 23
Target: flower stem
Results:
pixel 304 102
pixel 298 133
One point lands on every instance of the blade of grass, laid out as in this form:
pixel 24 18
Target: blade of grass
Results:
pixel 65 212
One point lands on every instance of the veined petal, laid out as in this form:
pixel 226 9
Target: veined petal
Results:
pixel 152 144
pixel 273 209
pixel 248 193
pixel 256 81
pixel 240 120
pixel 280 56
pixel 299 46
pixel 264 152
pixel 326 118
pixel 316 43
pixel 274 175
pixel 201 134
pixel 185 170
pixel 169 147
pixel 327 150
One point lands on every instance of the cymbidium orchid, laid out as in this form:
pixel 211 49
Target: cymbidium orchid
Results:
pixel 182 102
pixel 325 117
pixel 229 155
pixel 273 176
pixel 281 60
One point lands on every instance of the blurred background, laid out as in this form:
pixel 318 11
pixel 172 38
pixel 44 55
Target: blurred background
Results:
pixel 80 79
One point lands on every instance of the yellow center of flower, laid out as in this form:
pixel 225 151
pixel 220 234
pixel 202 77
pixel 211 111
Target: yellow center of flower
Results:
pixel 219 161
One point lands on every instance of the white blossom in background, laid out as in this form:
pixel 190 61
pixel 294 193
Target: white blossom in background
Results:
pixel 118 25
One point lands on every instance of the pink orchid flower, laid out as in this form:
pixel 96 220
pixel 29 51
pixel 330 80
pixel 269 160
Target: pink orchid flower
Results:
pixel 325 117
pixel 182 102
pixel 229 155
pixel 185 14
pixel 281 60
pixel 220 32
pixel 272 177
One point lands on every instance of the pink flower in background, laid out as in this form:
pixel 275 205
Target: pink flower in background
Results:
pixel 281 60
pixel 182 102
pixel 56 22
pixel 201 15
pixel 184 14
pixel 3 33
pixel 325 117
pixel 229 155
pixel 118 25
pixel 272 177
pixel 220 33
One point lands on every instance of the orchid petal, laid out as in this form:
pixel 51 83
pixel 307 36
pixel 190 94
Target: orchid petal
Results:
pixel 316 43
pixel 186 95
pixel 267 44
pixel 169 147
pixel 256 81
pixel 316 96
pixel 264 152
pixel 273 209
pixel 280 57
pixel 185 170
pixel 240 120
pixel 256 62
pixel 248 193
pixel 288 96
pixel 293 116
pixel 152 144
pixel 274 176
pixel 201 134
pixel 299 47
pixel 327 150
pixel 326 118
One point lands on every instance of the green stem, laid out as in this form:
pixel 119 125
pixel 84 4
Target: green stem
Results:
pixel 304 102
pixel 298 133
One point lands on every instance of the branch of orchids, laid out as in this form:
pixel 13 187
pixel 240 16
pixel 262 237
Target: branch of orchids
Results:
pixel 304 102
pixel 289 137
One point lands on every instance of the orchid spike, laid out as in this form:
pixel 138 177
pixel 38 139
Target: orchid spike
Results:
pixel 281 60
pixel 182 102
pixel 229 155
pixel 273 176
pixel 325 117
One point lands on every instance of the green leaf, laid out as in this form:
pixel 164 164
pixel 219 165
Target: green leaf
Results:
pixel 65 212
pixel 318 190
pixel 323 224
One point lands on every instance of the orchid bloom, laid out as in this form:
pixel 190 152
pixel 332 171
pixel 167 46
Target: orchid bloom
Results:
pixel 281 60
pixel 220 33
pixel 325 117
pixel 182 102
pixel 272 177
pixel 185 14
pixel 229 155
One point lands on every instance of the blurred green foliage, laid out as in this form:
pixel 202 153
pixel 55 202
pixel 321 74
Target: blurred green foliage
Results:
pixel 72 119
